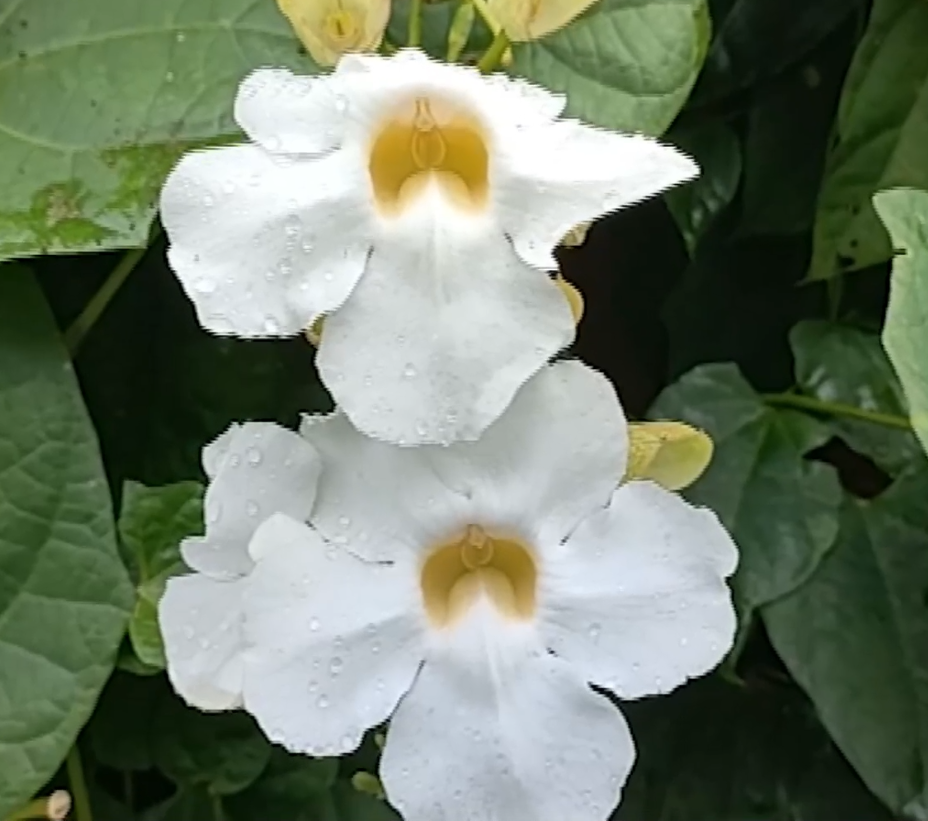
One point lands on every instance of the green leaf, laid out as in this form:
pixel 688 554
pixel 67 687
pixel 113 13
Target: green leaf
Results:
pixel 436 24
pixel 625 64
pixel 223 752
pixel 696 204
pixel 854 638
pixel 838 363
pixel 714 752
pixel 64 593
pixel 98 98
pixel 152 523
pixel 882 130
pixel 291 787
pixel 781 508
pixel 905 334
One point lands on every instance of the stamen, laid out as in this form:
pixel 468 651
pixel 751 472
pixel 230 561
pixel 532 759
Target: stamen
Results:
pixel 427 144
pixel 476 548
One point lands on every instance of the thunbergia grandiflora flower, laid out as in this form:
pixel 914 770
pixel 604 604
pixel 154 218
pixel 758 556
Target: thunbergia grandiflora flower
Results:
pixel 414 204
pixel 474 593
pixel 255 470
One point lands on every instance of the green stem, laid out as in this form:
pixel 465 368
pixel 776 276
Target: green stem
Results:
pixel 75 334
pixel 414 37
pixel 809 403
pixel 490 61
pixel 34 809
pixel 82 811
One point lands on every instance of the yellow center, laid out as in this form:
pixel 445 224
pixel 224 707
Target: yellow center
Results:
pixel 427 140
pixel 456 573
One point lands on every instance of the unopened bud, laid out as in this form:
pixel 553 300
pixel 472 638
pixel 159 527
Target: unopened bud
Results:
pixel 314 332
pixel 524 20
pixel 672 454
pixel 574 298
pixel 331 28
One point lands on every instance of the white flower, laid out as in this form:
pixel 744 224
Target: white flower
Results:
pixel 473 592
pixel 256 469
pixel 412 203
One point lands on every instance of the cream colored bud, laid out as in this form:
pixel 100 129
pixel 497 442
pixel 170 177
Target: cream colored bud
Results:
pixel 531 19
pixel 672 454
pixel 330 28
pixel 314 332
pixel 576 236
pixel 574 298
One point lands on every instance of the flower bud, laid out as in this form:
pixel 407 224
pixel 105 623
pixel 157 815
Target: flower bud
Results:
pixel 574 298
pixel 531 19
pixel 330 28
pixel 672 454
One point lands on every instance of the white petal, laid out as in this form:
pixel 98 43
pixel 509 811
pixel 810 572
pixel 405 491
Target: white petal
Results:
pixel 375 498
pixel 554 177
pixel 289 113
pixel 263 245
pixel 551 459
pixel 335 642
pixel 259 468
pixel 637 599
pixel 507 734
pixel 201 623
pixel 439 335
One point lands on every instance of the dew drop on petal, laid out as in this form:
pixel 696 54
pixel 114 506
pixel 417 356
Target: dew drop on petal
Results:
pixel 251 508
pixel 313 686
pixel 684 641
pixel 336 665
pixel 595 630
pixel 214 514
pixel 204 643
pixel 204 285
pixel 208 200
pixel 375 647
pixel 322 702
pixel 313 623
pixel 341 104
pixel 409 372
pixel 271 325
pixel 254 457
pixel 229 188
pixel 169 77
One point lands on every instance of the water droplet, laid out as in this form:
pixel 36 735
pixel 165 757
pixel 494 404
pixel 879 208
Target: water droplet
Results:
pixel 208 200
pixel 204 286
pixel 684 641
pixel 204 643
pixel 344 521
pixel 375 647
pixel 409 372
pixel 421 428
pixel 313 686
pixel 341 104
pixel 313 622
pixel 322 702
pixel 306 246
pixel 328 276
pixel 380 685
pixel 595 630
pixel 169 77
pixel 292 226
pixel 214 514
pixel 271 325
pixel 181 37
pixel 251 508
pixel 254 457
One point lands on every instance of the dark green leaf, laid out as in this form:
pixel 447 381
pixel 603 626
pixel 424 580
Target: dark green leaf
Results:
pixel 152 523
pixel 223 752
pixel 882 131
pixel 837 363
pixel 436 23
pixel 64 593
pixel 712 752
pixel 98 98
pixel 625 64
pixel 694 205
pixel 781 508
pixel 906 331
pixel 855 636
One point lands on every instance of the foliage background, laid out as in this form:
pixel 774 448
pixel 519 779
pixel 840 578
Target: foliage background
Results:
pixel 750 303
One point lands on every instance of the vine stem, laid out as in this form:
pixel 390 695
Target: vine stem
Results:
pixel 809 403
pixel 414 38
pixel 491 59
pixel 75 334
pixel 82 811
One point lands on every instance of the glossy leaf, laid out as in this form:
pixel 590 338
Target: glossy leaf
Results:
pixel 905 335
pixel 625 64
pixel 781 508
pixel 98 99
pixel 854 637
pixel 881 133
pixel 64 593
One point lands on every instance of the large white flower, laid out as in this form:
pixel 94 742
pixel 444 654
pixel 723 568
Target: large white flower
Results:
pixel 255 470
pixel 473 593
pixel 411 203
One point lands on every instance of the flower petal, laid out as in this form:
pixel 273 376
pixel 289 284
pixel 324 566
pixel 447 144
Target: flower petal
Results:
pixel 439 335
pixel 551 459
pixel 289 113
pixel 257 469
pixel 637 599
pixel 375 498
pixel 500 730
pixel 334 641
pixel 554 177
pixel 263 245
pixel 201 623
